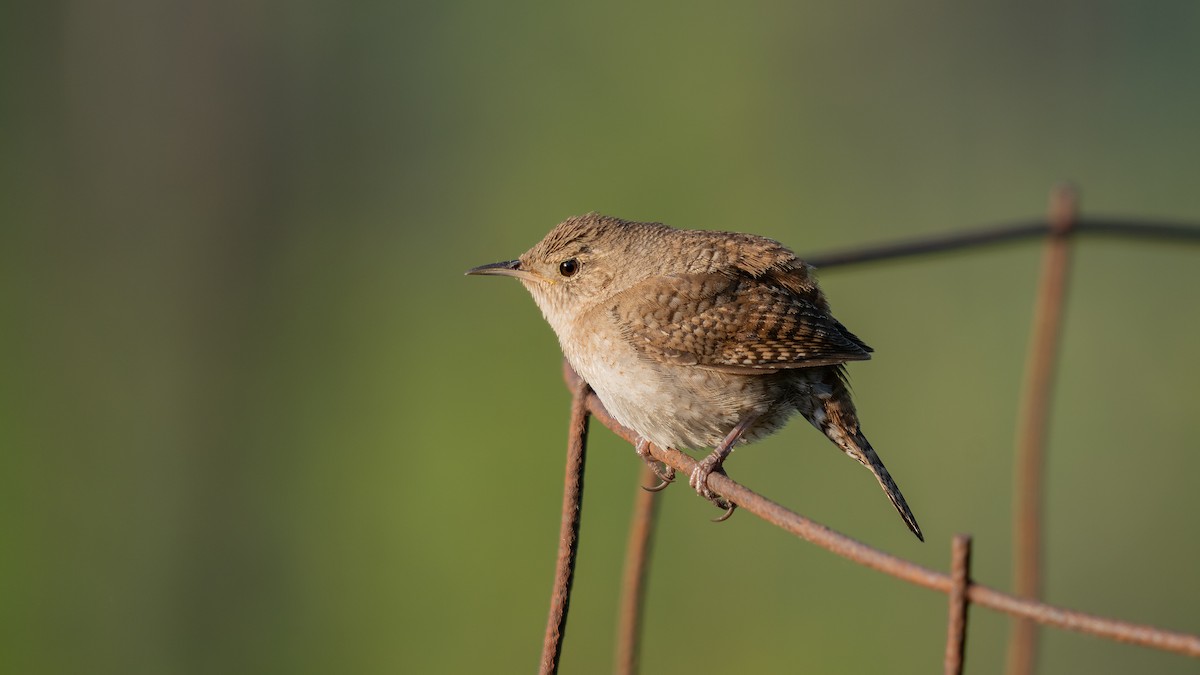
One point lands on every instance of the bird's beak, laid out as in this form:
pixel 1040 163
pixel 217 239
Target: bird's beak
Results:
pixel 509 268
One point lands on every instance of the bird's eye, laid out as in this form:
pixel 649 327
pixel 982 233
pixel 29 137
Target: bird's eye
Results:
pixel 568 268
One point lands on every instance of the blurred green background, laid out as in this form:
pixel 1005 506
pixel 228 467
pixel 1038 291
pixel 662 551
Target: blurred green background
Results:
pixel 255 420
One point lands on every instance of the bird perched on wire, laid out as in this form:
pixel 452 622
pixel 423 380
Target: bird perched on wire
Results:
pixel 697 339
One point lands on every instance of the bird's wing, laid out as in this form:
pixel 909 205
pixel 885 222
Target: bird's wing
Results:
pixel 734 323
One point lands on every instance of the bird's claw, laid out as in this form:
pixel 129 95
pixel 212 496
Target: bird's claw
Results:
pixel 662 484
pixel 699 478
pixel 665 474
pixel 699 482
pixel 729 509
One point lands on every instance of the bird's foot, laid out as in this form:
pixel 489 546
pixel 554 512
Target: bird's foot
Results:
pixel 699 482
pixel 665 474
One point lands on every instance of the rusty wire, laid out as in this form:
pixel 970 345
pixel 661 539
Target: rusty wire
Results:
pixel 957 585
pixel 956 625
pixel 568 537
pixel 1034 423
pixel 633 582
pixel 944 243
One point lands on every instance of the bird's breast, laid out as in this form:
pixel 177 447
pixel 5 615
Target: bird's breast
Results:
pixel 673 405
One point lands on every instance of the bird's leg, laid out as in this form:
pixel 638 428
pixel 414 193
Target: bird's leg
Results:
pixel 712 463
pixel 665 474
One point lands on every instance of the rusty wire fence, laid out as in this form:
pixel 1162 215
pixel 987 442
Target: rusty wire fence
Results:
pixel 1058 229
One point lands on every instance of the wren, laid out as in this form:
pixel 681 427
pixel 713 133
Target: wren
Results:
pixel 697 339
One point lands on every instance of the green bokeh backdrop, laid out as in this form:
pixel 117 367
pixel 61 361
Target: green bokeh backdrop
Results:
pixel 254 419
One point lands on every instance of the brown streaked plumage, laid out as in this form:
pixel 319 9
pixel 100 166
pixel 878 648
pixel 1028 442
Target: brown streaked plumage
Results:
pixel 698 339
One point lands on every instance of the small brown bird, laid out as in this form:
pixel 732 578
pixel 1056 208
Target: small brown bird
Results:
pixel 697 339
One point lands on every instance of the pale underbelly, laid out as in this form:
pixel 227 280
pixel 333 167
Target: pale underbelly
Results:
pixel 689 407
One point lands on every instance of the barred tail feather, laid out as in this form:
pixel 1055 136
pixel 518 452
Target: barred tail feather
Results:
pixel 833 413
pixel 856 445
pixel 871 460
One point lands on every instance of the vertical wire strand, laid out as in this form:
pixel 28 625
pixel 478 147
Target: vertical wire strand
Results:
pixel 633 584
pixel 956 628
pixel 1040 366
pixel 568 538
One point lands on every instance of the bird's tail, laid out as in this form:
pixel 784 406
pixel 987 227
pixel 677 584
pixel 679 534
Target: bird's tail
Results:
pixel 866 455
pixel 853 443
pixel 834 414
